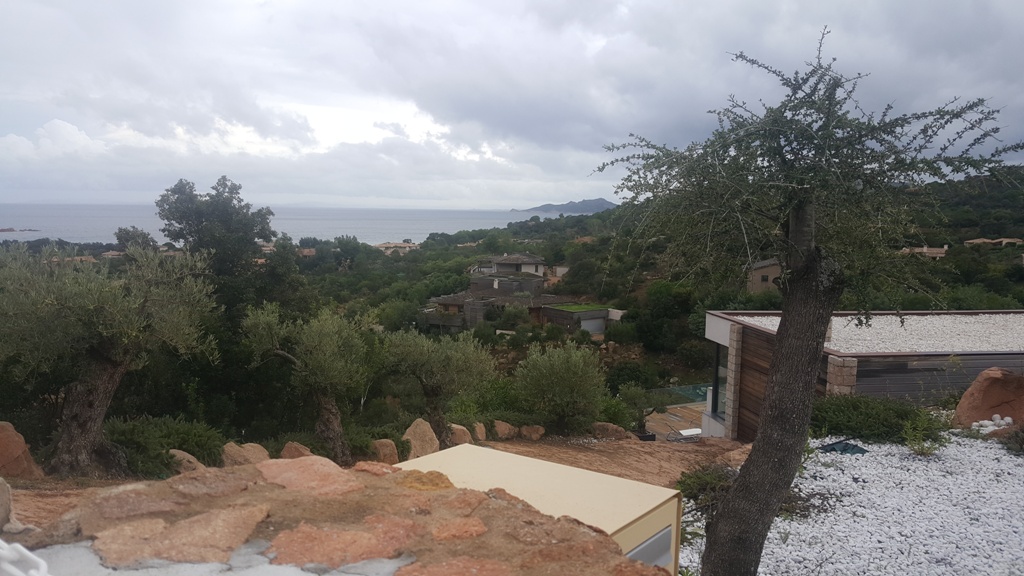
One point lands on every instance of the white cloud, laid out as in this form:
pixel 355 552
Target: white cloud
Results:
pixel 443 103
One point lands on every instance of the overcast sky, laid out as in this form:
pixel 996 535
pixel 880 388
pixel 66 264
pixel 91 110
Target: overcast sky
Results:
pixel 436 104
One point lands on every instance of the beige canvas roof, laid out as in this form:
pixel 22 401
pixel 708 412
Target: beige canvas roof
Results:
pixel 606 502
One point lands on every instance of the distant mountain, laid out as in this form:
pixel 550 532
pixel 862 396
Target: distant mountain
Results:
pixel 581 207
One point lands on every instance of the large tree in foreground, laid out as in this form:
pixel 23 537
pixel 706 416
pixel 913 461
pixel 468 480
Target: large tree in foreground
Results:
pixel 827 189
pixel 62 317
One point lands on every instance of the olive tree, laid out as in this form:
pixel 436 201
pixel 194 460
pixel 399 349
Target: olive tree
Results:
pixel 60 313
pixel 442 367
pixel 565 386
pixel 327 354
pixel 826 188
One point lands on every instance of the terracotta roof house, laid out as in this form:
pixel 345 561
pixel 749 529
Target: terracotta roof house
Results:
pixel 400 248
pixel 920 356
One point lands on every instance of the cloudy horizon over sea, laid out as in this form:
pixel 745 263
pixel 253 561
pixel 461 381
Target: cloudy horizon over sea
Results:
pixel 98 222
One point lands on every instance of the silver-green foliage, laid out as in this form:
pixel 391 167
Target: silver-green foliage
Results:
pixel 327 352
pixel 565 386
pixel 55 309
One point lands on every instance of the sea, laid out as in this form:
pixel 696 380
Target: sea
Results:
pixel 98 222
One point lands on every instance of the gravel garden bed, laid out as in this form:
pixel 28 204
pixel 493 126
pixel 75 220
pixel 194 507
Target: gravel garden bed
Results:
pixel 957 512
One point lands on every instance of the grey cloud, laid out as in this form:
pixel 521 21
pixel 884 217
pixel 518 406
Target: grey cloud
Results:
pixel 543 84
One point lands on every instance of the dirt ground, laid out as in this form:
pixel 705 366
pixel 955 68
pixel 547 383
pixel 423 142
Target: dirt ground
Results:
pixel 40 502
pixel 659 463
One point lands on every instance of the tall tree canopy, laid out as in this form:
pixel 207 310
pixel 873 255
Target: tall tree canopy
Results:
pixel 223 224
pixel 64 318
pixel 827 189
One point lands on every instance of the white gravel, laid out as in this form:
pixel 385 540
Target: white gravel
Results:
pixel 921 333
pixel 959 512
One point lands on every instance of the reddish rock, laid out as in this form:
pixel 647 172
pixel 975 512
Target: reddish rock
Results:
pixel 312 474
pixel 479 431
pixel 207 537
pixel 459 529
pixel 330 547
pixel 235 455
pixel 461 435
pixel 425 481
pixel 405 513
pixel 6 508
pixel 994 391
pixel 134 500
pixel 185 462
pixel 211 482
pixel 504 430
pixel 460 565
pixel 533 433
pixel 610 431
pixel 421 438
pixel 395 530
pixel 294 450
pixel 15 459
pixel 464 501
pixel 502 496
pixel 375 468
pixel 385 450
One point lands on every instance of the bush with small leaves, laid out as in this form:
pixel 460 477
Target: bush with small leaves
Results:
pixel 870 419
pixel 146 440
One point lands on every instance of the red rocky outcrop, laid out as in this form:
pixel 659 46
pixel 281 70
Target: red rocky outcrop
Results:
pixel 15 459
pixel 994 391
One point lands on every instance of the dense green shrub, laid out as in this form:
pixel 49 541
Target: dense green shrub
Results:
pixel 146 440
pixel 563 386
pixel 614 410
pixel 874 419
pixel 621 332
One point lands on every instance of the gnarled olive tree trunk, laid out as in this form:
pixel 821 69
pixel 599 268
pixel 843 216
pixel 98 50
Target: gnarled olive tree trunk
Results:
pixel 80 431
pixel 434 397
pixel 329 430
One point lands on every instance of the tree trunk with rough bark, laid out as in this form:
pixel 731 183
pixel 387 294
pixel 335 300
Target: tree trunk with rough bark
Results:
pixel 435 416
pixel 737 530
pixel 329 430
pixel 80 433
